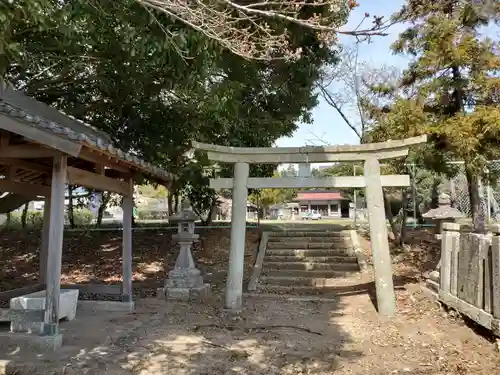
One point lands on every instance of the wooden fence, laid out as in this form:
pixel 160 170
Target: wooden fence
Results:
pixel 470 274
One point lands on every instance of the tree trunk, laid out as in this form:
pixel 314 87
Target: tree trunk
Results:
pixel 100 212
pixel 435 192
pixel 390 218
pixel 475 201
pixel 176 202
pixel 71 212
pixel 24 216
pixel 212 212
pixel 170 203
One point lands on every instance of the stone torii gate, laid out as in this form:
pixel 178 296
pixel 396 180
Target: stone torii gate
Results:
pixel 372 181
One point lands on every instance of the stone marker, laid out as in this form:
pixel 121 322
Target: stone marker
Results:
pixel 184 281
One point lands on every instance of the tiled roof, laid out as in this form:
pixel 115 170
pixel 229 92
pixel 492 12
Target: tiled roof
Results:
pixel 319 196
pixel 72 129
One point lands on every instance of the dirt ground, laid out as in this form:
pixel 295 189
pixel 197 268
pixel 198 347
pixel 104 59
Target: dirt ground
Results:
pixel 277 335
pixel 272 336
pixel 95 257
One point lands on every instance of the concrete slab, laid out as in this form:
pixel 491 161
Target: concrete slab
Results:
pixel 36 302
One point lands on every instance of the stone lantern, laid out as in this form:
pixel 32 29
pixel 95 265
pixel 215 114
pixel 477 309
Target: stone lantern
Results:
pixel 184 281
pixel 443 213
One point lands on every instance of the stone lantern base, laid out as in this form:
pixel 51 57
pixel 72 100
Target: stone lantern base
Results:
pixel 184 285
pixel 184 282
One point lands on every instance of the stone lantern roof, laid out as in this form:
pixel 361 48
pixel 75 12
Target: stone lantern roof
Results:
pixel 186 214
pixel 444 210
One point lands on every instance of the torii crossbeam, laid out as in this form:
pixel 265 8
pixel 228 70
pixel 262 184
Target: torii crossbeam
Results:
pixel 370 154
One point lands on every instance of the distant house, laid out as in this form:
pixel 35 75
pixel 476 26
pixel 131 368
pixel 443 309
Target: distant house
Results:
pixel 225 207
pixel 327 203
pixel 284 210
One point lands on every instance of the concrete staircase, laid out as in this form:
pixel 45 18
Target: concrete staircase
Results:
pixel 298 261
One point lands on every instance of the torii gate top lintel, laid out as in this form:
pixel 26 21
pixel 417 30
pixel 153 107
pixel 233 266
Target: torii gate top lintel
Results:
pixel 309 154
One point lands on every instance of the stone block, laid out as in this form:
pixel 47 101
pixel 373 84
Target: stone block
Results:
pixel 181 294
pixel 198 293
pixel 68 301
pixel 191 282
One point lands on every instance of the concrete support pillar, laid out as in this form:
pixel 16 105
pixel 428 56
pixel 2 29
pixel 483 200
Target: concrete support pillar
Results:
pixel 386 301
pixel 44 249
pixel 55 243
pixel 234 284
pixel 128 208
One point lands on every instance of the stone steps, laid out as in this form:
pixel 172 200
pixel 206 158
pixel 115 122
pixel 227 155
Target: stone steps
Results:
pixel 317 282
pixel 297 252
pixel 304 290
pixel 310 239
pixel 304 262
pixel 344 258
pixel 309 266
pixel 312 275
pixel 319 233
pixel 306 245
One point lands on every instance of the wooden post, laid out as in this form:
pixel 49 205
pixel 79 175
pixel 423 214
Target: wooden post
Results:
pixel 234 283
pixel 44 249
pixel 56 230
pixel 386 300
pixel 495 255
pixel 127 207
pixel 449 242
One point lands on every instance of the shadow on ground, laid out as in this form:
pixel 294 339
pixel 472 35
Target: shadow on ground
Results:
pixel 95 257
pixel 269 337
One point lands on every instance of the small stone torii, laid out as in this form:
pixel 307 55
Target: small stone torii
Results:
pixel 370 154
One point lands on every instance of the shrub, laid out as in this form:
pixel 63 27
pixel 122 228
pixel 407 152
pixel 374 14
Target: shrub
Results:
pixel 83 217
pixel 34 219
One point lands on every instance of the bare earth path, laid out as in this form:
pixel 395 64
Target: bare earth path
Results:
pixel 272 336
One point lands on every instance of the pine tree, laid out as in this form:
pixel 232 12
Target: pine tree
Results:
pixel 455 83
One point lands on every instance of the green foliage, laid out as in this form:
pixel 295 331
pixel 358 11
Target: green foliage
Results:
pixel 449 91
pixel 155 84
pixel 83 217
pixel 151 191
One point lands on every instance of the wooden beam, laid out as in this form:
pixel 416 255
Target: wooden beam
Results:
pixel 96 181
pixel 4 139
pixel 24 188
pixel 23 164
pixel 311 182
pixel 31 151
pixel 54 259
pixel 100 169
pixel 44 250
pixel 127 207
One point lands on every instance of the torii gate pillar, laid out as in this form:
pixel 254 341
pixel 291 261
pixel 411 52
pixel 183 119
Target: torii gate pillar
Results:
pixel 234 283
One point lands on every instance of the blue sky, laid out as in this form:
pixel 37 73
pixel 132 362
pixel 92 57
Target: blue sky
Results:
pixel 327 124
